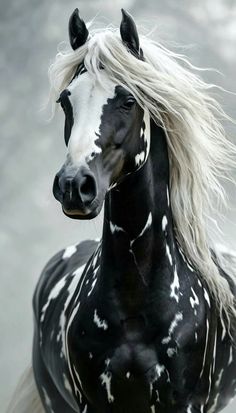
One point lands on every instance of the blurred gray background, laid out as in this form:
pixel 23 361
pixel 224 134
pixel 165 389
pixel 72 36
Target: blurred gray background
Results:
pixel 32 224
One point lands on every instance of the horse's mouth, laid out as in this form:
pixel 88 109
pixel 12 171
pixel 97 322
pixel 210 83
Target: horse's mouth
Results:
pixel 74 212
pixel 82 214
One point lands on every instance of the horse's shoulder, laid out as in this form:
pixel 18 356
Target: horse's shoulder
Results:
pixel 62 263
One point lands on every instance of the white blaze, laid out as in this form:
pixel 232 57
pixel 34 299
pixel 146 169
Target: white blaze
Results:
pixel 87 98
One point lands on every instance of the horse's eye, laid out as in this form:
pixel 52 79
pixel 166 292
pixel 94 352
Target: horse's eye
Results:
pixel 128 104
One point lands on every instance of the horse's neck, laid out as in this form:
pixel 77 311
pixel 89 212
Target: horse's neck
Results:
pixel 138 223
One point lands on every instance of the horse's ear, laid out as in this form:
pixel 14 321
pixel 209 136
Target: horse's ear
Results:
pixel 78 32
pixel 129 33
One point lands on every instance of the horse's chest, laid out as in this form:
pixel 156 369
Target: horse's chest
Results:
pixel 127 361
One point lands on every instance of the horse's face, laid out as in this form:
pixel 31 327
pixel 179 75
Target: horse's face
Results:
pixel 104 133
pixel 106 138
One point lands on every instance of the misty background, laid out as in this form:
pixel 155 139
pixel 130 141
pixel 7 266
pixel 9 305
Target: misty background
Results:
pixel 32 150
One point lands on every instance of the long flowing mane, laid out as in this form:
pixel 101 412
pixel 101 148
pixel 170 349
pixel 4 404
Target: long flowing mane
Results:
pixel 166 84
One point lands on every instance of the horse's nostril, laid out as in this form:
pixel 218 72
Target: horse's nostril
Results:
pixel 87 189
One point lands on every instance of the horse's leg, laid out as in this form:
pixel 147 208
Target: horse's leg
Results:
pixel 51 399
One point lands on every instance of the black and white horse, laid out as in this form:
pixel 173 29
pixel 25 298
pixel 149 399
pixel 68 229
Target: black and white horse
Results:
pixel 142 321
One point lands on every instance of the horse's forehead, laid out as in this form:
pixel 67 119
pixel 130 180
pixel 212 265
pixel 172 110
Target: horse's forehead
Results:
pixel 87 90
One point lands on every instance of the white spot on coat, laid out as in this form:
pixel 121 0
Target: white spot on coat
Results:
pixel 106 380
pixel 171 351
pixel 69 251
pixel 145 228
pixel 92 287
pixel 67 384
pixel 85 409
pixel 71 289
pixel 139 158
pixel 223 327
pixel 207 298
pixel 169 254
pixel 164 223
pixel 115 228
pixel 159 370
pixel 205 350
pixel 230 356
pixel 55 291
pixel 167 196
pixel 194 301
pixel 47 400
pixel 178 317
pixel 199 283
pixel 214 353
pixel 99 323
pixel 79 381
pixel 214 405
pixel 218 381
pixel 174 287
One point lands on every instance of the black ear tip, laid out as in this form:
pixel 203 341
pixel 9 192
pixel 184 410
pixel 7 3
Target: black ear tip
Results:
pixel 125 14
pixel 75 14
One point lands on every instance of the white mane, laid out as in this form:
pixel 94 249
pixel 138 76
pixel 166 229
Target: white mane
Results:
pixel 199 152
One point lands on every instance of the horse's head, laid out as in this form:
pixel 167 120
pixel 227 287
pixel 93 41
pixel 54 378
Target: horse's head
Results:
pixel 105 130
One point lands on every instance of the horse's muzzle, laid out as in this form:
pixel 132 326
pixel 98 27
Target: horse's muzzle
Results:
pixel 76 191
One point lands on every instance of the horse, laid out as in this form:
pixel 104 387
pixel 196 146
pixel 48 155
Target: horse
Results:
pixel 142 320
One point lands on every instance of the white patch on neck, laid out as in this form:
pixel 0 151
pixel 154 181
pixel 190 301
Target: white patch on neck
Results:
pixel 141 157
pixel 147 132
pixel 168 253
pixel 223 327
pixel 92 287
pixel 164 223
pixel 205 350
pixel 230 356
pixel 194 301
pixel 174 287
pixel 87 98
pixel 115 228
pixel 147 225
pixel 207 298
pixel 167 196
